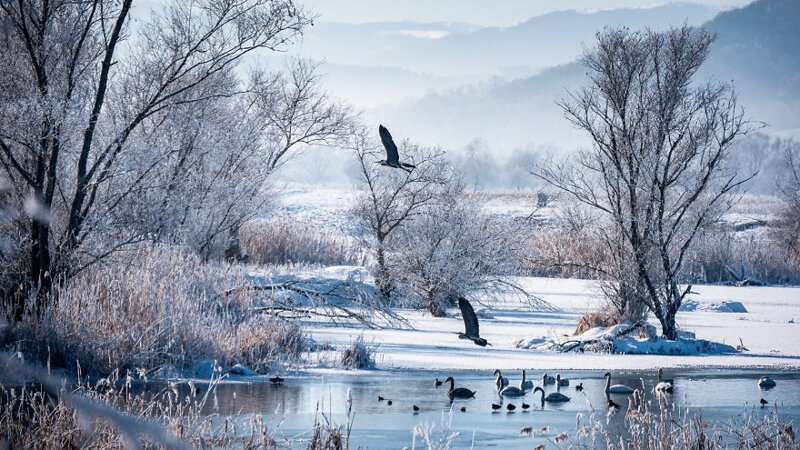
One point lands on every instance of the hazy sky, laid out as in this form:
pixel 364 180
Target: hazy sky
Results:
pixel 480 12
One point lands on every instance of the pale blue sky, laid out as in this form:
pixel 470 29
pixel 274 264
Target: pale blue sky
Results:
pixel 480 12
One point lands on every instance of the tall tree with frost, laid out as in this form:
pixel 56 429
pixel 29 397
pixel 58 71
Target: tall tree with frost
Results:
pixel 81 90
pixel 657 164
pixel 392 197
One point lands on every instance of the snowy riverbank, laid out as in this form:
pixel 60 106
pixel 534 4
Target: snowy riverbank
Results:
pixel 769 331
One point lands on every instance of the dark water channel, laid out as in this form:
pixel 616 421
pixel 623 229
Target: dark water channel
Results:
pixel 718 395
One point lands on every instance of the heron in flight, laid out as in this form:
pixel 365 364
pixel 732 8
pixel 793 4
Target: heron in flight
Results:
pixel 392 157
pixel 470 323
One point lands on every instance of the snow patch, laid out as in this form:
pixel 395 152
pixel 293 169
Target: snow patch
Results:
pixel 723 307
pixel 242 371
pixel 626 338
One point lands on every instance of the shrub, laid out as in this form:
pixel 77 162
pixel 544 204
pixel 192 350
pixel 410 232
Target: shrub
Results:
pixel 157 305
pixel 285 241
pixel 594 320
pixel 359 355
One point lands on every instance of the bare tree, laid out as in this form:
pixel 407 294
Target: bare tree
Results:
pixel 657 165
pixel 392 197
pixel 787 229
pixel 76 93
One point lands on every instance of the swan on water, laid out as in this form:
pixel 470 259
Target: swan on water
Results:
pixel 455 392
pixel 525 384
pixel 547 379
pixel 617 388
pixel 500 381
pixel 561 381
pixel 766 382
pixel 511 391
pixel 663 385
pixel 553 397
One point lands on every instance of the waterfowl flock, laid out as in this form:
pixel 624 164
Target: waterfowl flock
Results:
pixel 504 389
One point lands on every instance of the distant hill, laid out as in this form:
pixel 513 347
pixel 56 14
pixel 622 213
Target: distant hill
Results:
pixel 455 49
pixel 758 47
pixel 544 41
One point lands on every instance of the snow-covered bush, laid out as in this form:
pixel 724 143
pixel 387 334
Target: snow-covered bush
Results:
pixel 724 255
pixel 451 249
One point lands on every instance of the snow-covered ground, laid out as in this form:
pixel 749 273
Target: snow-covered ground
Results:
pixel 765 330
pixel 770 329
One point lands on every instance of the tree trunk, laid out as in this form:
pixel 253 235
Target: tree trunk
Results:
pixel 382 277
pixel 668 328
pixel 435 308
pixel 39 271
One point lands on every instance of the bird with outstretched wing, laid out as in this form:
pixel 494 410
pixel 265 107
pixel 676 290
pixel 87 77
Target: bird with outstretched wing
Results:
pixel 470 323
pixel 392 155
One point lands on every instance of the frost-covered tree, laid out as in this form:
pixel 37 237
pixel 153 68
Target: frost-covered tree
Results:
pixel 657 165
pixel 102 124
pixel 391 197
pixel 787 229
pixel 452 249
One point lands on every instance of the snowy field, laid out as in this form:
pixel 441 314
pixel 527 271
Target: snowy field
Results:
pixel 769 329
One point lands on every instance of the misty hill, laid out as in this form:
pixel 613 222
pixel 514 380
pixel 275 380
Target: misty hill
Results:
pixel 385 62
pixel 543 41
pixel 757 48
pixel 455 49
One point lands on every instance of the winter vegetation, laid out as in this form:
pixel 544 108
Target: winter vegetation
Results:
pixel 147 234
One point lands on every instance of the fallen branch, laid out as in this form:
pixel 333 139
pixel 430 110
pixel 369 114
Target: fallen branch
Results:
pixel 329 303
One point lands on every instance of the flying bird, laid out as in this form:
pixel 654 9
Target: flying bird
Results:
pixel 470 323
pixel 392 156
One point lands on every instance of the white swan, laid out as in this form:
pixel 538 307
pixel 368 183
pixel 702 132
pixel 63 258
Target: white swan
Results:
pixel 561 381
pixel 617 388
pixel 766 382
pixel 547 379
pixel 553 397
pixel 500 381
pixel 525 384
pixel 663 385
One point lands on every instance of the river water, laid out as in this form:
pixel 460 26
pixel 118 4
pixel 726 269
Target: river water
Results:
pixel 718 395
